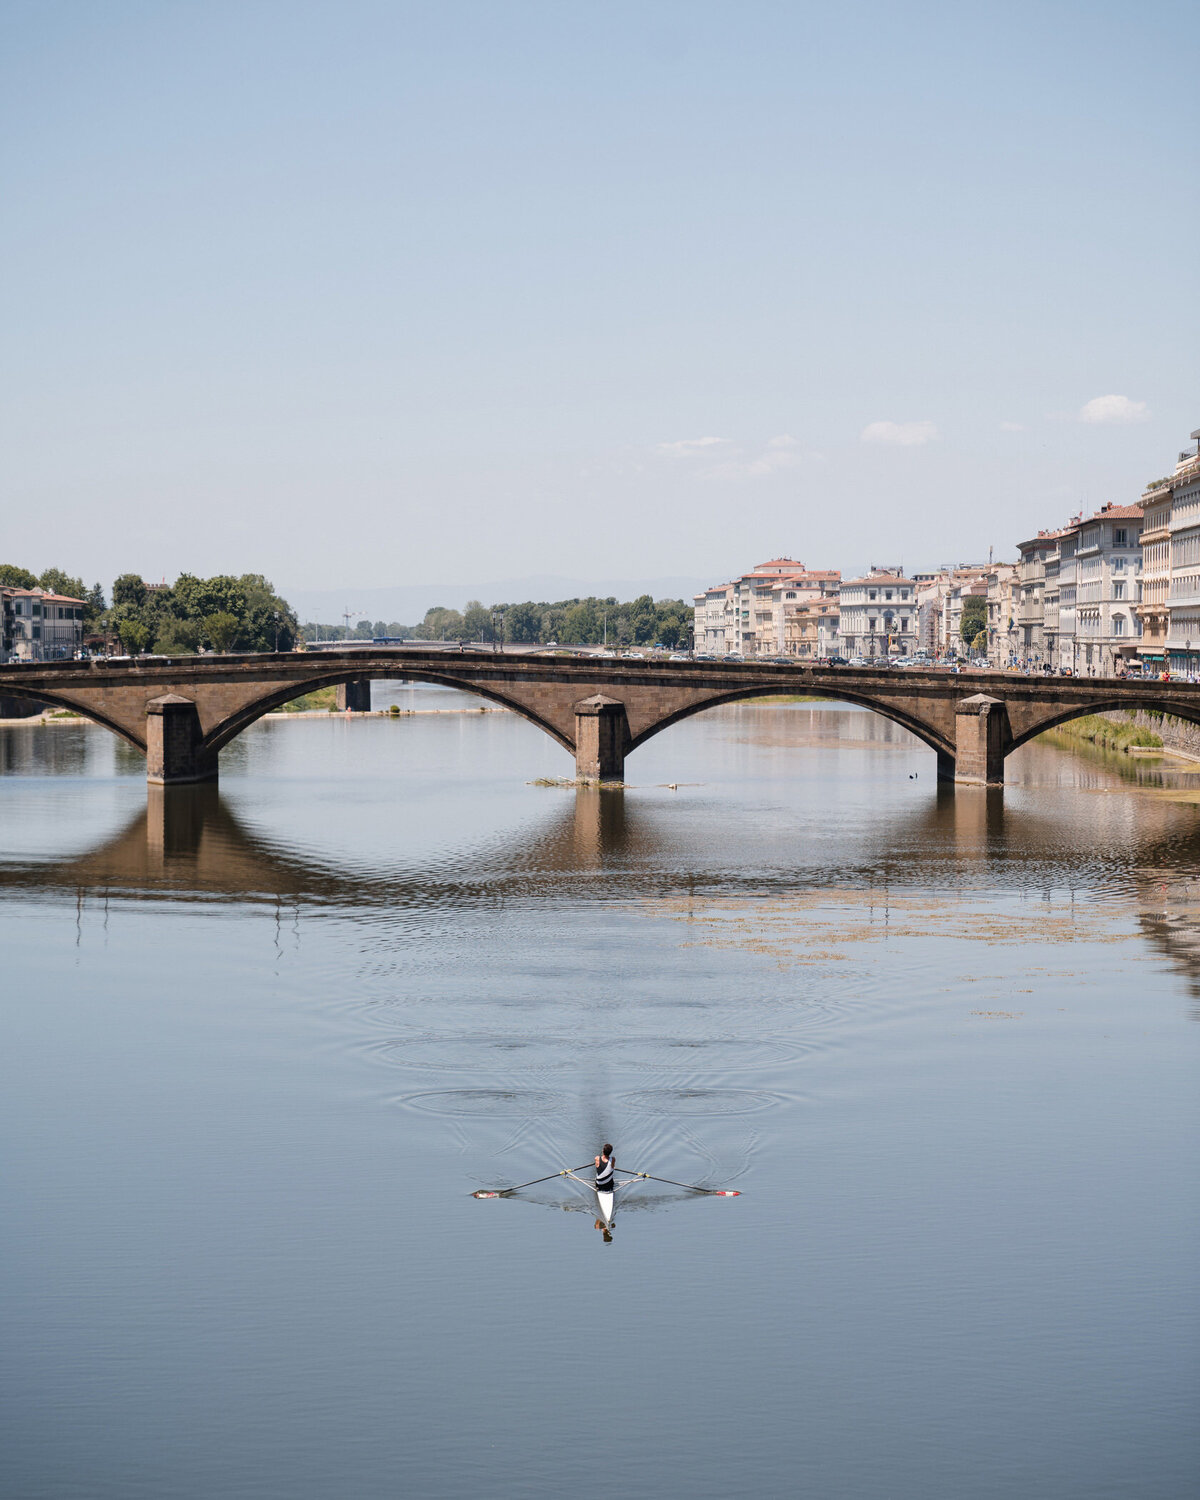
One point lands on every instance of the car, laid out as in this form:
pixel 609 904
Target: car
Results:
pixel 836 661
pixel 678 656
pixel 733 656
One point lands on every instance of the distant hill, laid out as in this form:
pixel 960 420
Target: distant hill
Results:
pixel 407 603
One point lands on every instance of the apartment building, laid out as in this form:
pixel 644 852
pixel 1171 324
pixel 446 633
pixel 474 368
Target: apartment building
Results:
pixel 36 625
pixel 811 630
pixel 1183 600
pixel 1001 614
pixel 878 615
pixel 1030 595
pixel 1154 610
pixel 750 615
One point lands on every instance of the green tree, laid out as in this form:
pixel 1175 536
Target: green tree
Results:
pixel 129 588
pixel 177 638
pixel 523 623
pixel 55 581
pixel 477 621
pixel 221 629
pixel 95 606
pixel 581 624
pixel 12 577
pixel 134 634
pixel 974 618
pixel 441 623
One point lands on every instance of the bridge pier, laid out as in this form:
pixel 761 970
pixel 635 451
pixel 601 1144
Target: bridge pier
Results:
pixel 354 697
pixel 174 741
pixel 982 737
pixel 601 738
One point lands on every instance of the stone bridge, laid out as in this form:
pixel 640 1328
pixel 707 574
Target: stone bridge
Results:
pixel 181 711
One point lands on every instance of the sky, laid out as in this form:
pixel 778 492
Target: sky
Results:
pixel 372 293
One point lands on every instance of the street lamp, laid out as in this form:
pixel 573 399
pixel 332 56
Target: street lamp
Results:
pixel 277 630
pixel 498 629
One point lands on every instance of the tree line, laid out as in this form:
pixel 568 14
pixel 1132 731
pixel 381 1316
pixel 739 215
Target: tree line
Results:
pixel 222 613
pixel 571 622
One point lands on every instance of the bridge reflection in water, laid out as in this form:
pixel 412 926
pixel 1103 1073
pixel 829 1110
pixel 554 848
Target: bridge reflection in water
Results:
pixel 188 844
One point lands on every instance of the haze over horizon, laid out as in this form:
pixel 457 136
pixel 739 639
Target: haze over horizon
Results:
pixel 378 294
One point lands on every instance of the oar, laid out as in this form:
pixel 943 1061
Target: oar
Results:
pixel 691 1186
pixel 504 1192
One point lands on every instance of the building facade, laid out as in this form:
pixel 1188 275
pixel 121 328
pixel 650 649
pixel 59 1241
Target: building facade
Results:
pixel 749 616
pixel 38 625
pixel 1183 603
pixel 877 616
pixel 1154 609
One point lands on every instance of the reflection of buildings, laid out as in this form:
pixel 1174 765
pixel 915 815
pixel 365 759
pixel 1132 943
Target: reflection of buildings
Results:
pixel 188 844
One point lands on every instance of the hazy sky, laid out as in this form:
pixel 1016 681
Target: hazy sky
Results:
pixel 367 292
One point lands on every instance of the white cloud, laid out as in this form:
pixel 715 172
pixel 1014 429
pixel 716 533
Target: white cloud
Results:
pixel 780 453
pixel 1114 409
pixel 900 434
pixel 690 447
pixel 1012 426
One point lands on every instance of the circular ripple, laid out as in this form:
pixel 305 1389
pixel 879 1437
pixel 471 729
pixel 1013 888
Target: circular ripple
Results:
pixel 541 1054
pixel 527 1103
pixel 700 1101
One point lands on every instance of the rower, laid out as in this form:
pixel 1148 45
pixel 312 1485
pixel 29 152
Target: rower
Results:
pixel 605 1167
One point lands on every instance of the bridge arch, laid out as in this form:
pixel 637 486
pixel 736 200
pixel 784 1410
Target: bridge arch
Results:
pixel 231 726
pixel 84 710
pixel 923 731
pixel 1102 705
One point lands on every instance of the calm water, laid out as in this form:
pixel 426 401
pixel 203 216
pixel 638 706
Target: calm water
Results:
pixel 259 1047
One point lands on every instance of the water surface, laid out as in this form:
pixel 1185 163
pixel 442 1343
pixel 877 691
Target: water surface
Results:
pixel 260 1045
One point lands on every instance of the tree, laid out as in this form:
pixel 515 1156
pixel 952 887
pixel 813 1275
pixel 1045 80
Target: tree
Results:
pixel 440 623
pixel 134 635
pixel 523 623
pixel 177 638
pixel 55 581
pixel 477 621
pixel 581 625
pixel 221 628
pixel 95 606
pixel 974 618
pixel 12 577
pixel 129 589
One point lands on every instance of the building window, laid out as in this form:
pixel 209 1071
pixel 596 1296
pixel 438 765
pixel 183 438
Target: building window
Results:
pixel 1118 590
pixel 1119 535
pixel 1118 624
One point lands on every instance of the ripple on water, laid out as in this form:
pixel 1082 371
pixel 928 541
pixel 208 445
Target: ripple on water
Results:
pixel 701 1101
pixel 528 1104
pixel 542 1054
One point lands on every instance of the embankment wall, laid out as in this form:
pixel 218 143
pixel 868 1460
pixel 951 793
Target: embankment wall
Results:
pixel 1176 734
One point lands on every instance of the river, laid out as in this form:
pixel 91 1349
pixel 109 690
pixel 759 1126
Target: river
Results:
pixel 260 1045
